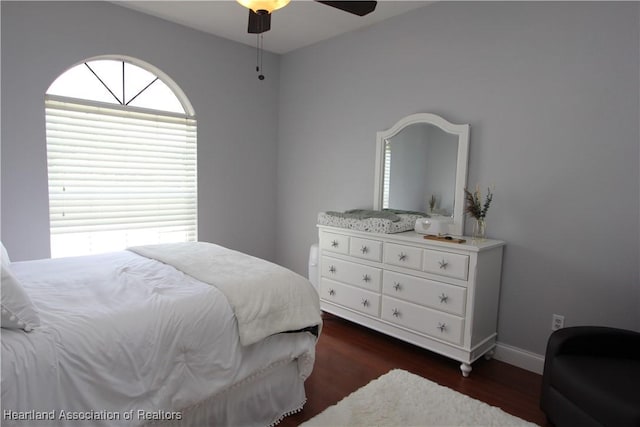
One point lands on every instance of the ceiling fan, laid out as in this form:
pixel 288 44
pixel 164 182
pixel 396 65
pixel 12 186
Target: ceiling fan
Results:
pixel 260 11
pixel 260 17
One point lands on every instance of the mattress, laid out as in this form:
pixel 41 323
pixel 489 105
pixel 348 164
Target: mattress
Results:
pixel 374 225
pixel 126 340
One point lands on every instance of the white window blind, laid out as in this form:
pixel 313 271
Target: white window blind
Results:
pixel 387 175
pixel 118 177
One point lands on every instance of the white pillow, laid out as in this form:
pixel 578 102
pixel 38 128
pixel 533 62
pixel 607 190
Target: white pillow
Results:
pixel 17 309
pixel 5 255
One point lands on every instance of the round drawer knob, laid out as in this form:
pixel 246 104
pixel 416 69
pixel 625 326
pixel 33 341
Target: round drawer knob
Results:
pixel 442 326
pixel 364 250
pixel 332 292
pixel 443 264
pixel 366 278
pixel 402 256
pixel 334 244
pixel 395 312
pixel 443 298
pixel 397 286
pixel 332 269
pixel 365 302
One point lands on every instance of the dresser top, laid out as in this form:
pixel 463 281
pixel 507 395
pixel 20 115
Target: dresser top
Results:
pixel 411 237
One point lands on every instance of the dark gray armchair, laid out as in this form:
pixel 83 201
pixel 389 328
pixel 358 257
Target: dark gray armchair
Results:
pixel 592 377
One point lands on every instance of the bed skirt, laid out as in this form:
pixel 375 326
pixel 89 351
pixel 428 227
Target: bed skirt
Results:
pixel 262 400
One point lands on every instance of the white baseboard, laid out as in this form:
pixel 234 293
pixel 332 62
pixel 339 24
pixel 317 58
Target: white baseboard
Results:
pixel 518 357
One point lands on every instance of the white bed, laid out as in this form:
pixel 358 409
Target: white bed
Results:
pixel 128 340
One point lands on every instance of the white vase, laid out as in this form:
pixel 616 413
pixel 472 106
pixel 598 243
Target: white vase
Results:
pixel 479 230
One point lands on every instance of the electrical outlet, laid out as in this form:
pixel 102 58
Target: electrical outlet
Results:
pixel 557 322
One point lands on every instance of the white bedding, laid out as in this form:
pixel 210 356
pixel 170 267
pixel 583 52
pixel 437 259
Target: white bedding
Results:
pixel 124 339
pixel 265 297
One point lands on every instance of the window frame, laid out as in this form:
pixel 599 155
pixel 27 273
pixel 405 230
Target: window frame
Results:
pixel 188 116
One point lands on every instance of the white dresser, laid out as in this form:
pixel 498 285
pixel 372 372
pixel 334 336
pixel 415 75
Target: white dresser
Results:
pixel 441 296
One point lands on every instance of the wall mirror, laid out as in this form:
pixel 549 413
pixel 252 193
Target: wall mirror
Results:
pixel 421 165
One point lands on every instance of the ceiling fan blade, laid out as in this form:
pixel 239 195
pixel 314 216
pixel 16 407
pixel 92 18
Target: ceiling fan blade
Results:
pixel 259 22
pixel 360 8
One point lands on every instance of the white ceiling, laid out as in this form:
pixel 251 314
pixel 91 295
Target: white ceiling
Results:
pixel 300 23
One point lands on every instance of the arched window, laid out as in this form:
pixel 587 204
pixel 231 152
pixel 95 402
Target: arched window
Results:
pixel 121 158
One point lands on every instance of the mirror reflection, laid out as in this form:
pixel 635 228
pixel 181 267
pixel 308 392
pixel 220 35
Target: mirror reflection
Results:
pixel 420 170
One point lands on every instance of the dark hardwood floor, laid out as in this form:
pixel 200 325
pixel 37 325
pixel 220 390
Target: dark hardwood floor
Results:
pixel 348 356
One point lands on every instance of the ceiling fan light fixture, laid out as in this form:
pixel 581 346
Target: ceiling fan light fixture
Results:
pixel 263 5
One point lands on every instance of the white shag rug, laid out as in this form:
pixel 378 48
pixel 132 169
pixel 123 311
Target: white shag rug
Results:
pixel 399 398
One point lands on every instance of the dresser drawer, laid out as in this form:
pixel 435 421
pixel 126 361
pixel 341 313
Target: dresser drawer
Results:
pixel 434 323
pixel 437 295
pixel 352 273
pixel 403 256
pixel 334 242
pixel 446 264
pixel 354 298
pixel 366 249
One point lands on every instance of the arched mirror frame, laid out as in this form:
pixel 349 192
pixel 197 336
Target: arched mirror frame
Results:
pixel 462 132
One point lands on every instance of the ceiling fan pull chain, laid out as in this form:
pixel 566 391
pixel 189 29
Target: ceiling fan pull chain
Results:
pixel 259 55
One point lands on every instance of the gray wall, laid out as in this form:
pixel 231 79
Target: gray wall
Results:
pixel 551 92
pixel 237 121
